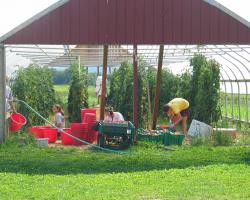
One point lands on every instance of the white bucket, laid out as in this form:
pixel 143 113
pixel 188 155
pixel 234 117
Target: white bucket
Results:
pixel 42 142
pixel 199 128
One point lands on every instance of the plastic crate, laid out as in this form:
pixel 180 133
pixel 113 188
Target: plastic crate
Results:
pixel 172 139
pixel 151 138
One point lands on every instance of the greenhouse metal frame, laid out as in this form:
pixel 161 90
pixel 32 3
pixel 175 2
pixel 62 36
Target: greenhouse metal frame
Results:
pixel 163 33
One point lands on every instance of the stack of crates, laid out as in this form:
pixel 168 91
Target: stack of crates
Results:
pixel 166 138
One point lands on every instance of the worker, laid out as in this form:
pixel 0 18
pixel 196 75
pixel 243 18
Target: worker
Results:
pixel 178 110
pixel 111 116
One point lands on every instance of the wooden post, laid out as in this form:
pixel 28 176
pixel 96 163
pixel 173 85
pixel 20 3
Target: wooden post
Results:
pixel 2 93
pixel 110 70
pixel 157 94
pixel 79 66
pixel 135 89
pixel 104 77
pixel 98 71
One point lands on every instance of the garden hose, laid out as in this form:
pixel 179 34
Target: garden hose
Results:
pixel 61 130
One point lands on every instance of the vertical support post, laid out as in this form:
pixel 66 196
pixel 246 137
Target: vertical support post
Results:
pixel 109 70
pixel 98 71
pixel 247 117
pixel 239 101
pixel 104 78
pixel 135 88
pixel 79 65
pixel 158 84
pixel 2 93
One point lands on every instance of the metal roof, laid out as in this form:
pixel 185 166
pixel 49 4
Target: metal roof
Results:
pixel 132 22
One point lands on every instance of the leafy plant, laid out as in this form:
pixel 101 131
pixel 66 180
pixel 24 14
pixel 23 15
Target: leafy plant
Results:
pixel 222 139
pixel 78 92
pixel 121 92
pixel 169 88
pixel 34 86
pixel 201 140
pixel 205 89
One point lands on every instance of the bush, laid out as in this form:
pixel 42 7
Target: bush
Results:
pixel 78 93
pixel 20 139
pixel 169 88
pixel 222 139
pixel 201 140
pixel 205 89
pixel 34 86
pixel 121 92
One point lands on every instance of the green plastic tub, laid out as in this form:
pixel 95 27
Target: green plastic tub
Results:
pixel 172 139
pixel 151 138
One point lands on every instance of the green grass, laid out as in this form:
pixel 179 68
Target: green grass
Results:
pixel 92 96
pixel 235 112
pixel 146 172
pixel 62 92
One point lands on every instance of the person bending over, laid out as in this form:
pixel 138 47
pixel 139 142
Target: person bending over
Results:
pixel 177 110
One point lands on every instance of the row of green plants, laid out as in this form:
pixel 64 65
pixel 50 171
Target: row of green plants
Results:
pixel 34 85
pixel 200 85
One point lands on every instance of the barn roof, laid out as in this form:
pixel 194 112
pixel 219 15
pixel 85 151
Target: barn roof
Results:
pixel 132 22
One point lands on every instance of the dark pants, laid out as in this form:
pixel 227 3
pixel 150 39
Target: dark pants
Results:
pixel 185 113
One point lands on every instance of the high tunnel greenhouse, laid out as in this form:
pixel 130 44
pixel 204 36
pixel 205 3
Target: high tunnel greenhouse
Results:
pixel 234 60
pixel 164 33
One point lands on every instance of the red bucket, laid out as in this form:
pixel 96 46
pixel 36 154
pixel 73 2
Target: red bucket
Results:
pixel 66 140
pixel 50 133
pixel 16 122
pixel 32 130
pixel 39 131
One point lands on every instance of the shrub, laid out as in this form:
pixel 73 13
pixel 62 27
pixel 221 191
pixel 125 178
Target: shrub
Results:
pixel 20 139
pixel 34 86
pixel 201 140
pixel 222 139
pixel 78 93
pixel 205 89
pixel 121 92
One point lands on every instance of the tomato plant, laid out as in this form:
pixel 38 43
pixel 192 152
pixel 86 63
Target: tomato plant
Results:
pixel 34 86
pixel 78 92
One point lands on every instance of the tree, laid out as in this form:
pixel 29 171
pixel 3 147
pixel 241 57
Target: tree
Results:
pixel 205 89
pixel 78 92
pixel 61 77
pixel 121 91
pixel 34 86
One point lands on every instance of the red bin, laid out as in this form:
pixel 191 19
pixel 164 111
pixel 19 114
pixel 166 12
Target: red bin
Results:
pixel 17 120
pixel 66 140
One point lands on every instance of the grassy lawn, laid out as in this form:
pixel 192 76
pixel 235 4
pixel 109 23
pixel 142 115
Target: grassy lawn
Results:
pixel 236 112
pixel 63 90
pixel 146 172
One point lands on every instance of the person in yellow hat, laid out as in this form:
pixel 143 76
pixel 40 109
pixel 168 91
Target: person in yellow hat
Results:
pixel 177 110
